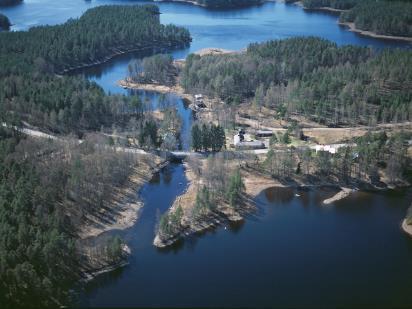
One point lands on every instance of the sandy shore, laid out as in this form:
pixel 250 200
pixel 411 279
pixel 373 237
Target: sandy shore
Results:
pixel 255 184
pixel 353 28
pixel 214 51
pixel 344 192
pixel 407 228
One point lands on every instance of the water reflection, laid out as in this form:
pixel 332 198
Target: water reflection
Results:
pixel 279 195
pixel 106 278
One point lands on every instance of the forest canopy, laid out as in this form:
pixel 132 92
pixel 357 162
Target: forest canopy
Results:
pixel 30 90
pixel 382 17
pixel 335 4
pixel 385 17
pixel 310 76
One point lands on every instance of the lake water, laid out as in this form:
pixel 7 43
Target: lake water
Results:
pixel 294 252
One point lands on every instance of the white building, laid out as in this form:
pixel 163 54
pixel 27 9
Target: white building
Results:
pixel 198 98
pixel 332 148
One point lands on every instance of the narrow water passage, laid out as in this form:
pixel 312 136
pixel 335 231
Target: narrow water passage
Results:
pixel 157 195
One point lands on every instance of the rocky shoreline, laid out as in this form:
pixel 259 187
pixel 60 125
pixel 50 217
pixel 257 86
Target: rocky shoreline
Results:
pixel 371 34
pixel 90 273
pixel 125 206
pixel 351 26
pixel 223 213
pixel 120 51
pixel 214 219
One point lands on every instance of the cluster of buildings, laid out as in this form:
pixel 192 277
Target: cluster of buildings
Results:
pixel 241 142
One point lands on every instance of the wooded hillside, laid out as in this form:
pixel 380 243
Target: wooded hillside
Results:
pixel 30 90
pixel 310 76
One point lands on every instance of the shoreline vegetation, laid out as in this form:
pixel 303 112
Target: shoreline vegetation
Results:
pixel 189 220
pixel 320 8
pixel 175 87
pixel 118 52
pixel 124 211
pixel 352 27
pixel 347 20
pixel 126 204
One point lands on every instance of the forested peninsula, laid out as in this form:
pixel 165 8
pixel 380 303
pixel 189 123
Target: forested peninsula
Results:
pixel 310 76
pixel 51 189
pixel 29 88
pixel 392 18
pixel 377 18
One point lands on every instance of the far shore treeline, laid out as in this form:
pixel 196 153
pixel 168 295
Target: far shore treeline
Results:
pixel 226 3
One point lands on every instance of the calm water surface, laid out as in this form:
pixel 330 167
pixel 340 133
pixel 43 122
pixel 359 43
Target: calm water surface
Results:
pixel 293 252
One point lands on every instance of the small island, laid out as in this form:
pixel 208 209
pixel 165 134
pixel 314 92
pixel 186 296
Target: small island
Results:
pixel 218 4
